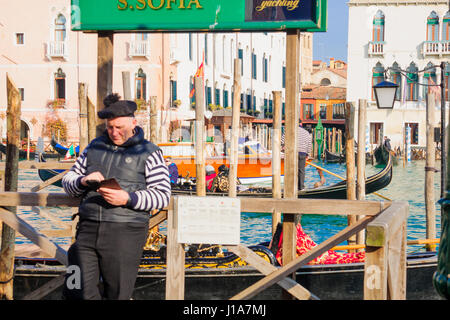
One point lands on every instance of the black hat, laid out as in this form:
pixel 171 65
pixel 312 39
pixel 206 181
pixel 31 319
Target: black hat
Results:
pixel 114 107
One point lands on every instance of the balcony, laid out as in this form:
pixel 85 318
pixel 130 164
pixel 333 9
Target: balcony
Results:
pixel 376 48
pixel 139 49
pixel 176 55
pixel 56 49
pixel 435 48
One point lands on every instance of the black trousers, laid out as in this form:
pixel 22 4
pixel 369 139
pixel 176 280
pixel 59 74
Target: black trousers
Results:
pixel 107 253
pixel 301 170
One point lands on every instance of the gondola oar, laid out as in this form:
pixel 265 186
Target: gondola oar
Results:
pixel 338 176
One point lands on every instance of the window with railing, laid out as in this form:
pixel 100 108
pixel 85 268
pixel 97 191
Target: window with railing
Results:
pixel 378 27
pixel 433 27
pixel 323 111
pixel 60 88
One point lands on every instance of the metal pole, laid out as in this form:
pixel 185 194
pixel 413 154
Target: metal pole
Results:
pixel 443 135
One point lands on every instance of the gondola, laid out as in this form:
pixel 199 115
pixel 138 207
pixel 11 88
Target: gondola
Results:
pixel 327 282
pixel 332 157
pixel 335 191
pixel 62 150
pixel 23 153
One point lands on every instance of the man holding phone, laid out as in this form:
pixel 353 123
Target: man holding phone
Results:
pixel 120 177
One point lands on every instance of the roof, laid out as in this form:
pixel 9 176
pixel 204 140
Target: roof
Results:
pixel 322 92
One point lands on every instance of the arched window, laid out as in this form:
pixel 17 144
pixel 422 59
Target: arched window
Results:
pixel 412 86
pixel 377 76
pixel 60 87
pixel 446 27
pixel 433 27
pixel 60 28
pixel 396 78
pixel 429 78
pixel 325 82
pixel 225 96
pixel 141 80
pixel 378 27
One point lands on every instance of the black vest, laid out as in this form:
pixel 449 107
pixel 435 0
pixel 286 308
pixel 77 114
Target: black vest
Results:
pixel 125 163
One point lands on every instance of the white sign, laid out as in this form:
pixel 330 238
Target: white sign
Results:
pixel 212 220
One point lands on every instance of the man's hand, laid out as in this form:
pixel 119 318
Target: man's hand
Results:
pixel 94 176
pixel 114 196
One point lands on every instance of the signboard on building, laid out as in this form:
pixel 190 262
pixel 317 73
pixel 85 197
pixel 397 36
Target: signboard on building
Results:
pixel 213 220
pixel 198 15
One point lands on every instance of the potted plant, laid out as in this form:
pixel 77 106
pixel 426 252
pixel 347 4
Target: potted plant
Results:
pixel 176 103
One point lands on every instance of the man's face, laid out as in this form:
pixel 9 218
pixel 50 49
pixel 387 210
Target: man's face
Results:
pixel 120 129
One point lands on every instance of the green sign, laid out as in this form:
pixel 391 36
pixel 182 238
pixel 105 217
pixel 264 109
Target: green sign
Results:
pixel 198 15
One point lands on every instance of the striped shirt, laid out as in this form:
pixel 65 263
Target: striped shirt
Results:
pixel 155 196
pixel 304 141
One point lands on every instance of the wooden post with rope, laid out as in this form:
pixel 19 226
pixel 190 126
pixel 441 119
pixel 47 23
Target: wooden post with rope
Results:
pixel 235 127
pixel 430 170
pixel 276 157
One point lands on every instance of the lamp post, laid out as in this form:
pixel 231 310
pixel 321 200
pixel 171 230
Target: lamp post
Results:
pixel 385 98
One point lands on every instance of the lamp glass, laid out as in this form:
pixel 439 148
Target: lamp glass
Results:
pixel 385 94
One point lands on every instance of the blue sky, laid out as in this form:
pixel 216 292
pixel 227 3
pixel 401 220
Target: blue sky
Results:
pixel 333 43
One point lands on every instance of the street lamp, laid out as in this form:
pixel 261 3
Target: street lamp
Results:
pixel 385 92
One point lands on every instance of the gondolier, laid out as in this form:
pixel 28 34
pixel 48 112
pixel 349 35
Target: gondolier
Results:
pixel 304 145
pixel 113 222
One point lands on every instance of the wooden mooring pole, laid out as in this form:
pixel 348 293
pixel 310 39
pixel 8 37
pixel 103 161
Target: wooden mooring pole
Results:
pixel 105 53
pixel 430 170
pixel 11 182
pixel 83 101
pixel 235 120
pixel 361 161
pixel 276 157
pixel 350 159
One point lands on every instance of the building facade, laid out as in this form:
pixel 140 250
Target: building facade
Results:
pixel 46 61
pixel 402 38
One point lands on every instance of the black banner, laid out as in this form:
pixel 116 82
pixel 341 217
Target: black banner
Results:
pixel 280 10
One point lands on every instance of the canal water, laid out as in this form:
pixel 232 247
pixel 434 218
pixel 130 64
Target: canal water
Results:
pixel 408 184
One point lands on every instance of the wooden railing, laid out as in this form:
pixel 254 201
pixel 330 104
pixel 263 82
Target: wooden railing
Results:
pixel 385 266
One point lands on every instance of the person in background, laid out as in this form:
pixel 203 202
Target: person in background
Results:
pixel 210 175
pixel 173 171
pixel 387 143
pixel 113 220
pixel 220 182
pixel 304 147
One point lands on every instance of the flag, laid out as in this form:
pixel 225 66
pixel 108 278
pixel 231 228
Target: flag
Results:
pixel 434 88
pixel 70 152
pixel 200 73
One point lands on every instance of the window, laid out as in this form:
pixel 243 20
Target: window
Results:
pixel 140 80
pixel 60 28
pixel 414 132
pixel 217 96
pixel 378 27
pixel 60 87
pixel 20 38
pixel 208 96
pixel 225 98
pixel 308 111
pixel 173 90
pixel 446 27
pixel 190 46
pixel 325 82
pixel 323 111
pixel 376 132
pixel 191 92
pixel 241 56
pixel 433 27
pixel 377 76
pixel 249 101
pixel 429 79
pixel 22 94
pixel 412 86
pixel 253 65
pixel 338 111
pixel 396 78
pixel 265 69
pixel 283 80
